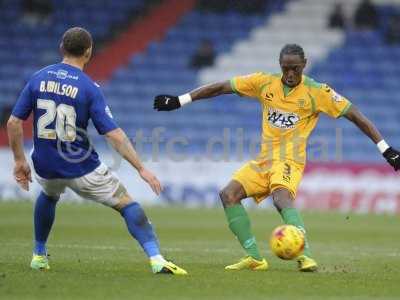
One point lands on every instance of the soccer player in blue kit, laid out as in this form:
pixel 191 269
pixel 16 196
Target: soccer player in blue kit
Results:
pixel 63 99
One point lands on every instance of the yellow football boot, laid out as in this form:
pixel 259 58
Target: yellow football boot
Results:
pixel 166 267
pixel 307 264
pixel 249 263
pixel 40 262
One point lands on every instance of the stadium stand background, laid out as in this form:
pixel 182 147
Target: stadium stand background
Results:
pixel 244 42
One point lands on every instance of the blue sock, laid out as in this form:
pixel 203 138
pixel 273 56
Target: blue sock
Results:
pixel 45 210
pixel 140 228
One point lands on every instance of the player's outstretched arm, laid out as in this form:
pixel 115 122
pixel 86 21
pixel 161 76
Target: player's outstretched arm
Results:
pixel 391 155
pixel 22 171
pixel 121 143
pixel 169 102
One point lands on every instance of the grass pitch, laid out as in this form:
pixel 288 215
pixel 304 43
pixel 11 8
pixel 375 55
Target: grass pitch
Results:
pixel 93 257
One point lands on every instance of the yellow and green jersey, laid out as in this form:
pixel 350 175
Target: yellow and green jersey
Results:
pixel 289 115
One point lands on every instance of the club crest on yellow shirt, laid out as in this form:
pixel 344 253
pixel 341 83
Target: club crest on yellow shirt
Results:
pixel 301 103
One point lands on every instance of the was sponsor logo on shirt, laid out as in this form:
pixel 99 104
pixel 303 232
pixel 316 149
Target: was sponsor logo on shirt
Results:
pixel 281 119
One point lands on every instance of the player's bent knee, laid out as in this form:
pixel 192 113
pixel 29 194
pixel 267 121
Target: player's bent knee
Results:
pixel 53 198
pixel 232 194
pixel 122 197
pixel 282 198
pixel 228 197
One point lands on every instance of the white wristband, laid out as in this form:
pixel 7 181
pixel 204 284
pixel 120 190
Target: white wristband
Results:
pixel 382 146
pixel 185 99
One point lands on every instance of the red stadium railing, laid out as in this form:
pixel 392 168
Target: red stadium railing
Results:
pixel 137 37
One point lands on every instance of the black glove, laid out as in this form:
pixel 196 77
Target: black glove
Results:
pixel 393 158
pixel 166 103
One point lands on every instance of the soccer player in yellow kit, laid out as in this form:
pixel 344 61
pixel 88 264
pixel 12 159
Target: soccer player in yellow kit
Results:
pixel 291 105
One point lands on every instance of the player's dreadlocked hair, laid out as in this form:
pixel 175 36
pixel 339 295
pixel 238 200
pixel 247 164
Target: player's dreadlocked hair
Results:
pixel 292 49
pixel 76 41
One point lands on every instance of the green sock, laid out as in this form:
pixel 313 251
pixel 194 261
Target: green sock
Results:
pixel 292 217
pixel 239 223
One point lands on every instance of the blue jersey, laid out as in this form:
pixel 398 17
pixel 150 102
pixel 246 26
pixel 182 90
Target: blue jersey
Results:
pixel 63 100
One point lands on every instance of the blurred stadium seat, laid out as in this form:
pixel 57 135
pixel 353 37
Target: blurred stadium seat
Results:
pixel 362 69
pixel 24 48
